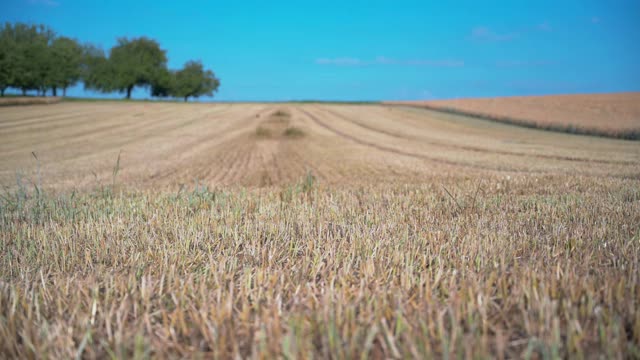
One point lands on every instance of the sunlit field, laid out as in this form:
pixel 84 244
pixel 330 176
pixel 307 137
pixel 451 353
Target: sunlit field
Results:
pixel 614 115
pixel 312 230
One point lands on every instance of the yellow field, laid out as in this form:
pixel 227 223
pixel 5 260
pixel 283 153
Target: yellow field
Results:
pixel 308 230
pixel 77 145
pixel 613 115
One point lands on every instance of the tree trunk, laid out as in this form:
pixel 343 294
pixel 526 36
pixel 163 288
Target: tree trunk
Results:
pixel 54 90
pixel 24 92
pixel 64 91
pixel 185 98
pixel 2 92
pixel 129 92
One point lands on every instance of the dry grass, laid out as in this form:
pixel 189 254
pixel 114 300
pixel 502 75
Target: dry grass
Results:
pixel 281 113
pixel 382 233
pixel 167 145
pixel 263 132
pixel 293 132
pixel 29 100
pixel 277 125
pixel 612 115
pixel 512 267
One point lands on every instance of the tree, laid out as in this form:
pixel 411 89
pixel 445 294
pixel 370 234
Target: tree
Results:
pixel 33 58
pixel 66 59
pixel 164 83
pixel 94 68
pixel 136 62
pixel 194 81
pixel 25 51
pixel 7 57
pixel 41 59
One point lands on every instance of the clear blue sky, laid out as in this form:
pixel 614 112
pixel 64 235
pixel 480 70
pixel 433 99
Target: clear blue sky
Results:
pixel 371 50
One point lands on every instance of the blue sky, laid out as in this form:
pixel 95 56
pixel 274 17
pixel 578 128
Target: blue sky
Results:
pixel 371 50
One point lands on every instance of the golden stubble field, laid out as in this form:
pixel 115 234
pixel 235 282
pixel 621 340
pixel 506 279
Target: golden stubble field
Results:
pixel 168 144
pixel 307 230
pixel 614 115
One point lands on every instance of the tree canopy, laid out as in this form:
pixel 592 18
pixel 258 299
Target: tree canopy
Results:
pixel 94 68
pixel 135 62
pixel 66 57
pixel 24 56
pixel 190 81
pixel 32 57
pixel 8 61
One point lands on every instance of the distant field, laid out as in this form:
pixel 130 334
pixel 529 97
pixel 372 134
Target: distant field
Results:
pixel 133 230
pixel 615 115
pixel 169 144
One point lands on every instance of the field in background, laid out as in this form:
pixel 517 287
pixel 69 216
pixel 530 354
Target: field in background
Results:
pixel 169 145
pixel 613 115
pixel 297 230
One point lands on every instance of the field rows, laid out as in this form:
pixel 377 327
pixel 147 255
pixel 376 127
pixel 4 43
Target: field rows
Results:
pixel 614 115
pixel 166 145
pixel 315 231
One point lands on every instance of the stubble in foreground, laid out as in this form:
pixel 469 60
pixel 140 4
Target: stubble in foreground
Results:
pixel 546 267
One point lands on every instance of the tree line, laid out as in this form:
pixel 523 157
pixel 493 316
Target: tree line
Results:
pixel 34 58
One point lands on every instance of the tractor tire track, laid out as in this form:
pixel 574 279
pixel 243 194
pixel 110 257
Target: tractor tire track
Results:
pixel 407 153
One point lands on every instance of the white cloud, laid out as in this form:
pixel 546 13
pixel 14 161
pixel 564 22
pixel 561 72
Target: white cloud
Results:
pixel 482 33
pixel 343 61
pixel 545 26
pixel 384 60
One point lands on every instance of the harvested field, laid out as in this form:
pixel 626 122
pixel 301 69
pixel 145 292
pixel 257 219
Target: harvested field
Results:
pixel 304 230
pixel 613 115
pixel 169 145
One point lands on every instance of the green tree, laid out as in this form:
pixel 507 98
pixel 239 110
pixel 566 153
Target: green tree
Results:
pixel 23 75
pixel 40 55
pixel 94 68
pixel 33 58
pixel 136 62
pixel 194 81
pixel 8 60
pixel 164 83
pixel 66 59
pixel 30 64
